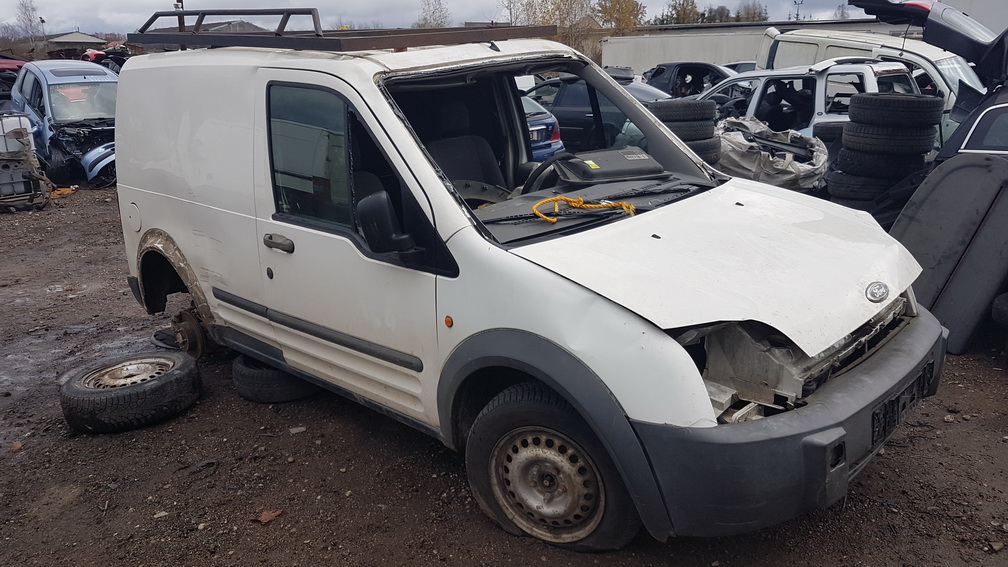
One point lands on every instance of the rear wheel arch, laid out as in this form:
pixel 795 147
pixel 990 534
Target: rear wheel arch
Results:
pixel 489 362
pixel 162 270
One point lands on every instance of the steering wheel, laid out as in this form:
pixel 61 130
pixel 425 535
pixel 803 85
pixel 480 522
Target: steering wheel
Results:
pixel 734 108
pixel 530 183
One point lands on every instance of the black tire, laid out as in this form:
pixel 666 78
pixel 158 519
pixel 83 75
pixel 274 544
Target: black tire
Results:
pixel 896 109
pixel 859 204
pixel 128 392
pixel 683 110
pixel 706 146
pixel 868 164
pixel 845 186
pixel 595 513
pixel 693 130
pixel 828 131
pixel 258 382
pixel 999 310
pixel 711 158
pixel 888 139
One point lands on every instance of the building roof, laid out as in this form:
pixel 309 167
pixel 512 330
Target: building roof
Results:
pixel 75 38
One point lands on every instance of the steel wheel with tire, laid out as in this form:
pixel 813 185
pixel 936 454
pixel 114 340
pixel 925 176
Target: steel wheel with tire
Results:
pixel 129 392
pixel 259 382
pixel 536 468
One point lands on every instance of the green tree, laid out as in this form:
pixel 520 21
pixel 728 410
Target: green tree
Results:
pixel 623 16
pixel 679 12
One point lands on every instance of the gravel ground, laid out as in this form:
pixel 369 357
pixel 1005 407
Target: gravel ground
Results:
pixel 346 486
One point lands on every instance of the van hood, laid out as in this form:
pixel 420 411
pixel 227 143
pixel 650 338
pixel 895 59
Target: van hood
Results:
pixel 742 251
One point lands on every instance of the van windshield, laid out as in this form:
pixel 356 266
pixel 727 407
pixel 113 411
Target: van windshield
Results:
pixel 955 69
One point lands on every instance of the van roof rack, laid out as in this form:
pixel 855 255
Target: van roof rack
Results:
pixel 317 39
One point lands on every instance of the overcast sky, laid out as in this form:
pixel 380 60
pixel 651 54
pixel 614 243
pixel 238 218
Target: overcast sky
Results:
pixel 124 16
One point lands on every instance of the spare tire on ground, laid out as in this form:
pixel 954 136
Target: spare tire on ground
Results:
pixel 128 392
pixel 259 382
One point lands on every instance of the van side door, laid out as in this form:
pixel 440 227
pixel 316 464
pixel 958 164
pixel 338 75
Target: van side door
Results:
pixel 360 320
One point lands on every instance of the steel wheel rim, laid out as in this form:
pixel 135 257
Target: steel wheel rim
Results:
pixel 128 373
pixel 547 484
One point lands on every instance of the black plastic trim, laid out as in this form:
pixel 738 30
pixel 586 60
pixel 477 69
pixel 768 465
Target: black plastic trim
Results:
pixel 736 478
pixel 134 285
pixel 273 356
pixel 369 348
pixel 560 370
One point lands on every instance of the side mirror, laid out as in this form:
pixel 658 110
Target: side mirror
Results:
pixel 378 223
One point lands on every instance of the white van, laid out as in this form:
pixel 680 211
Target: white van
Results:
pixel 614 338
pixel 937 71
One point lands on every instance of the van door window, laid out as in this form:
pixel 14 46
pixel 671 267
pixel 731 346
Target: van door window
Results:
pixel 32 91
pixel 990 133
pixel 792 53
pixel 309 153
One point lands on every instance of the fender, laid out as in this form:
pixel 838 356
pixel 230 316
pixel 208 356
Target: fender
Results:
pixel 97 158
pixel 159 241
pixel 560 370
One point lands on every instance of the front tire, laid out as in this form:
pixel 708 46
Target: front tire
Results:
pixel 536 468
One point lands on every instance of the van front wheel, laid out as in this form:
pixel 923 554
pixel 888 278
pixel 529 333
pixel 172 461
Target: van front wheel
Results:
pixel 536 468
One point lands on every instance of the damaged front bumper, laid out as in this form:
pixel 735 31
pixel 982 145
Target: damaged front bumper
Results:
pixel 735 478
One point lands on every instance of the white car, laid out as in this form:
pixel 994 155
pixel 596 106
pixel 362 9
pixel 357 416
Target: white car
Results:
pixel 613 338
pixel 801 98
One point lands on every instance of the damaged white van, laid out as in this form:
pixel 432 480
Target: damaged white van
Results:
pixel 615 338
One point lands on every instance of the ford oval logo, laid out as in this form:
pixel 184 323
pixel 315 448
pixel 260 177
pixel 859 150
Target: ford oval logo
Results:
pixel 877 292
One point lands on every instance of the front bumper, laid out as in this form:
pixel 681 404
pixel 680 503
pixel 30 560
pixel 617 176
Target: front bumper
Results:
pixel 737 478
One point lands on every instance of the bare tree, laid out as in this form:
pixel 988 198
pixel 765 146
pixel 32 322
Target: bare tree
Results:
pixel 433 14
pixel 28 23
pixel 841 13
pixel 623 16
pixel 751 11
pixel 717 14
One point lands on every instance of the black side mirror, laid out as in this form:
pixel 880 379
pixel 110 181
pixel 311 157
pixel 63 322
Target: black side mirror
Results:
pixel 378 223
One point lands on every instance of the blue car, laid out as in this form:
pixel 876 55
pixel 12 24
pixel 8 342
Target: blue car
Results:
pixel 544 130
pixel 71 106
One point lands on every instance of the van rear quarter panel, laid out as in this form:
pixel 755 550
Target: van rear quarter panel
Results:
pixel 184 141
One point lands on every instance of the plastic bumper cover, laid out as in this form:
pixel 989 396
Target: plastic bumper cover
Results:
pixel 737 478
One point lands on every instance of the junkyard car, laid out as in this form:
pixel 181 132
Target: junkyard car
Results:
pixel 615 337
pixel 567 98
pixel 954 221
pixel 544 130
pixel 799 98
pixel 71 105
pixel 686 78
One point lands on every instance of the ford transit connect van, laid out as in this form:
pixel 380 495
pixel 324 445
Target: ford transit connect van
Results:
pixel 613 338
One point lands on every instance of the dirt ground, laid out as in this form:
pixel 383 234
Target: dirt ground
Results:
pixel 356 488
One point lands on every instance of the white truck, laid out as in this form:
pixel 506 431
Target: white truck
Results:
pixel 613 338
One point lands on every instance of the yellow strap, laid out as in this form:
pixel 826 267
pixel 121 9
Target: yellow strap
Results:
pixel 579 203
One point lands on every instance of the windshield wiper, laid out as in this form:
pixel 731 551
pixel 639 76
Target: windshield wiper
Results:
pixel 565 214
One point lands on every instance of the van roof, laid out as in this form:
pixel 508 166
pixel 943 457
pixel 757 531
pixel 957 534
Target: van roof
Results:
pixel 878 40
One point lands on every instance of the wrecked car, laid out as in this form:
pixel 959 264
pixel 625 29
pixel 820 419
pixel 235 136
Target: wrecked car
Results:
pixel 21 183
pixel 952 217
pixel 614 337
pixel 71 105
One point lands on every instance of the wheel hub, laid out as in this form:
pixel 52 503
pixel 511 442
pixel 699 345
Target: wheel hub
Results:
pixel 127 373
pixel 547 485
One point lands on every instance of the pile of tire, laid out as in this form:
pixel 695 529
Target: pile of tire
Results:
pixel 693 122
pixel 885 141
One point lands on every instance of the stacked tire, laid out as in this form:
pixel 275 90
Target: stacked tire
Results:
pixel 693 122
pixel 885 141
